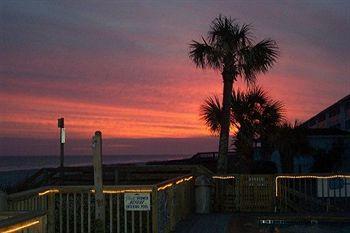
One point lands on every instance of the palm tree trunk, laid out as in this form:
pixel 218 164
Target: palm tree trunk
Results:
pixel 225 124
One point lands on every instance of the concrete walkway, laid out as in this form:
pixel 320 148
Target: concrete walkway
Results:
pixel 205 223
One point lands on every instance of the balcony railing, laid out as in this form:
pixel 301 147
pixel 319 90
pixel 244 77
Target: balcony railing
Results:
pixel 30 221
pixel 72 208
pixel 318 193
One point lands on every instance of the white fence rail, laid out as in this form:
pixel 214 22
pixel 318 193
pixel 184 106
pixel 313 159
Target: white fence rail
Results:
pixel 71 209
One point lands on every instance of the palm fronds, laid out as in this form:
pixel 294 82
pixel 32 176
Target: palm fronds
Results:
pixel 229 47
pixel 211 114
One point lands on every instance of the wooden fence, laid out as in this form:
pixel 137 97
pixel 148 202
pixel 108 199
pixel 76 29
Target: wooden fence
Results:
pixel 244 193
pixel 72 208
pixel 29 222
pixel 282 193
pixel 313 193
pixel 173 202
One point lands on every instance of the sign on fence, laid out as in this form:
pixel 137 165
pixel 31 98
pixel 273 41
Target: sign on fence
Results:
pixel 137 201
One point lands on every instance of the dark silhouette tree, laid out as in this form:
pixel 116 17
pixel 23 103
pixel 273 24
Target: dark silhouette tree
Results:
pixel 289 139
pixel 229 48
pixel 254 115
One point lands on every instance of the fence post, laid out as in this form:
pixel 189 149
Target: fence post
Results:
pixel 154 210
pixel 98 183
pixel 274 193
pixel 51 213
pixel 43 225
pixel 172 208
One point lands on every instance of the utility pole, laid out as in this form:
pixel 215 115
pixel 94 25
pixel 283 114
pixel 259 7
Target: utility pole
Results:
pixel 62 141
pixel 98 182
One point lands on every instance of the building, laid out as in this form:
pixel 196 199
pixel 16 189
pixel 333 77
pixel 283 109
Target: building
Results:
pixel 327 140
pixel 335 116
pixel 325 132
pixel 326 129
pixel 322 143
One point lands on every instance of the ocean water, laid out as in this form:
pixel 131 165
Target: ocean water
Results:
pixel 15 163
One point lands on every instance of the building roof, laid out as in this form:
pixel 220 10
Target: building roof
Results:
pixel 346 98
pixel 326 132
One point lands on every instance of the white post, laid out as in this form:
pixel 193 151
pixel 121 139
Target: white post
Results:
pixel 99 197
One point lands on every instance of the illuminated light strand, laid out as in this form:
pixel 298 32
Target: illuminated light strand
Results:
pixel 184 179
pixel 125 191
pixel 22 227
pixel 176 182
pixel 223 177
pixel 49 191
pixel 165 186
pixel 180 181
pixel 306 177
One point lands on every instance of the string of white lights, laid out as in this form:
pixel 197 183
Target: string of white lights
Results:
pixel 223 177
pixel 21 227
pixel 126 190
pixel 306 177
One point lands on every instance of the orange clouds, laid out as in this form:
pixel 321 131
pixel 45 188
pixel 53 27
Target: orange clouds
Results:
pixel 82 119
pixel 124 69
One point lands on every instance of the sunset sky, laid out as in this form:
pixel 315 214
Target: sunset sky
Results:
pixel 123 68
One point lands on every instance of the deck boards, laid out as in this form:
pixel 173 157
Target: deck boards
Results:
pixel 205 223
pixel 247 223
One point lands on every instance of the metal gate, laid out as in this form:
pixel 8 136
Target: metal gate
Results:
pixel 244 193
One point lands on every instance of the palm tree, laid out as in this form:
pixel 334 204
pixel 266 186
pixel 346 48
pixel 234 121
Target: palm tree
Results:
pixel 229 48
pixel 254 115
pixel 289 140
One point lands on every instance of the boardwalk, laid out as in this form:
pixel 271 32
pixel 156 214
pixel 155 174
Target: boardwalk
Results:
pixel 219 223
pixel 206 223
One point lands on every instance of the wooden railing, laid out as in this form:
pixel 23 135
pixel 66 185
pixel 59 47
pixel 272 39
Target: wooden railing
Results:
pixel 244 193
pixel 173 201
pixel 313 193
pixel 282 193
pixel 72 208
pixel 30 222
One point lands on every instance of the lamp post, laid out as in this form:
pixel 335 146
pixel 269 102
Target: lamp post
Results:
pixel 62 141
